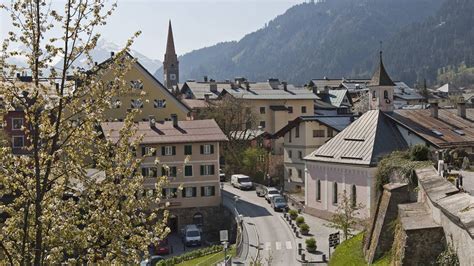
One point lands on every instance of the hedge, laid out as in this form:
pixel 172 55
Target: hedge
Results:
pixel 191 255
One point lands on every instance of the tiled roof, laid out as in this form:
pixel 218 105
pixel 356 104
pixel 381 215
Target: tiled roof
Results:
pixel 194 103
pixel 334 97
pixel 363 142
pixel 337 122
pixel 165 132
pixel 454 131
pixel 263 90
pixel 200 89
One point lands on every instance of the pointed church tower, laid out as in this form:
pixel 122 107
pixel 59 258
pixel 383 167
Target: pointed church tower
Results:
pixel 170 64
pixel 381 88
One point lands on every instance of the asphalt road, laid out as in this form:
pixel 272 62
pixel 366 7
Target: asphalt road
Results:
pixel 269 238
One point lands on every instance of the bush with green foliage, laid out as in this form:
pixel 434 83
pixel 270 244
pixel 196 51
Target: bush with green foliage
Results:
pixel 304 228
pixel 191 255
pixel 310 243
pixel 299 220
pixel 419 152
pixel 293 214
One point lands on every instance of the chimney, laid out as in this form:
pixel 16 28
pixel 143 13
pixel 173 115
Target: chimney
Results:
pixel 274 83
pixel 152 120
pixel 247 85
pixel 206 97
pixel 285 85
pixel 462 107
pixel 18 75
pixel 434 109
pixel 213 86
pixel 112 54
pixel 174 118
pixel 205 79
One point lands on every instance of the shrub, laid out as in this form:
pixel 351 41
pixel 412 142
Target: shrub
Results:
pixel 293 214
pixel 310 242
pixel 299 220
pixel 304 228
pixel 419 152
pixel 191 255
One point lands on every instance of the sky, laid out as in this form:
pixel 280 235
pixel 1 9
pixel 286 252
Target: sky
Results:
pixel 196 23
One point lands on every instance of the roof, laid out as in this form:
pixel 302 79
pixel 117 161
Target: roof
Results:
pixel 200 89
pixel 444 131
pixel 319 104
pixel 170 51
pixel 337 122
pixel 335 97
pixel 248 134
pixel 363 142
pixel 264 91
pixel 448 88
pixel 381 77
pixel 164 132
pixel 194 103
pixel 404 92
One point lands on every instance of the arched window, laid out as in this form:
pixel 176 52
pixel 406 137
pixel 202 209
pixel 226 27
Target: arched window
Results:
pixel 354 196
pixel 385 95
pixel 197 218
pixel 318 190
pixel 334 193
pixel 374 94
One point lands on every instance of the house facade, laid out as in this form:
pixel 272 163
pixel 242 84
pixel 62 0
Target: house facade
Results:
pixel 188 155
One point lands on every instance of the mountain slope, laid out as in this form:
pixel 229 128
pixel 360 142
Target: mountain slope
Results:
pixel 309 40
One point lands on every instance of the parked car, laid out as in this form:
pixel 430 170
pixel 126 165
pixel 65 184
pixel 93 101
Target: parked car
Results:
pixel 260 190
pixel 152 261
pixel 221 175
pixel 191 235
pixel 279 203
pixel 241 182
pixel 271 192
pixel 162 247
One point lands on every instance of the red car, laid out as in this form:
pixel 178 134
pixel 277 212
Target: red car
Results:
pixel 162 247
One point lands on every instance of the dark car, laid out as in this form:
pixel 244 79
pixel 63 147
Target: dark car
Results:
pixel 279 203
pixel 162 247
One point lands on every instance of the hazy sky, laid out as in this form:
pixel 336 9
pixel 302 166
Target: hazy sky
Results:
pixel 196 23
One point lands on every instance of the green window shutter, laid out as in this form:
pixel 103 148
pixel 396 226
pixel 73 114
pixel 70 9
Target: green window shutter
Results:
pixel 212 169
pixel 202 192
pixel 188 150
pixel 212 149
pixel 213 191
pixel 202 169
pixel 143 150
pixel 163 150
pixel 183 193
pixel 194 191
pixel 163 171
pixel 143 172
pixel 202 149
pixel 188 170
pixel 174 150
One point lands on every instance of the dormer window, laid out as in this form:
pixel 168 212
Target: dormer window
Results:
pixel 159 103
pixel 137 103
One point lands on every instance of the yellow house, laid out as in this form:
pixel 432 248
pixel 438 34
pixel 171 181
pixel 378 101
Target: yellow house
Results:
pixel 147 94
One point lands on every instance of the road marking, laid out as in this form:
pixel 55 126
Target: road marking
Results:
pixel 288 245
pixel 278 245
pixel 268 246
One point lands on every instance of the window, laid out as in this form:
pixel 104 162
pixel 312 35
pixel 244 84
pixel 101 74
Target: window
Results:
pixel 385 95
pixel 207 169
pixel 168 150
pixel 136 84
pixel 198 218
pixel 290 153
pixel 116 104
pixel 208 191
pixel 17 123
pixel 303 109
pixel 189 192
pixel 300 155
pixel 318 133
pixel 188 149
pixel 334 193
pixel 300 173
pixel 262 124
pixel 148 151
pixel 290 172
pixel 149 172
pixel 330 132
pixel 207 149
pixel 318 190
pixel 159 103
pixel 188 170
pixel 374 94
pixel 18 141
pixel 262 110
pixel 170 172
pixel 170 193
pixel 290 109
pixel 137 103
pixel 354 196
pixel 297 131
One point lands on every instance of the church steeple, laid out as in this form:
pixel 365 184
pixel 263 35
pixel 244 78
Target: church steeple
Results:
pixel 170 63
pixel 380 77
pixel 381 88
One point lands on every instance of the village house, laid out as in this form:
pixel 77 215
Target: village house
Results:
pixel 188 154
pixel 301 137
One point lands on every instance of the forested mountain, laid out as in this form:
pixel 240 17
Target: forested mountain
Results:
pixel 333 38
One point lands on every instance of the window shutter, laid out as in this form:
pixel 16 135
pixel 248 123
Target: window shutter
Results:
pixel 194 191
pixel 212 169
pixel 163 171
pixel 143 172
pixel 212 149
pixel 154 153
pixel 143 150
pixel 213 190
pixel 202 149
pixel 202 192
pixel 163 150
pixel 174 170
pixel 155 172
pixel 183 192
pixel 202 169
pixel 174 150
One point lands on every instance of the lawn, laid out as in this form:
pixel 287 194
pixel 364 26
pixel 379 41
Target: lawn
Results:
pixel 350 253
pixel 210 259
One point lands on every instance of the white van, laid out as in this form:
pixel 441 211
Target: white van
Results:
pixel 191 235
pixel 241 182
